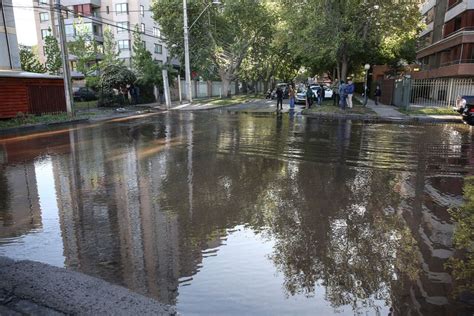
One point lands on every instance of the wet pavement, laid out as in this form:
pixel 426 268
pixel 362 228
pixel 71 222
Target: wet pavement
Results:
pixel 223 213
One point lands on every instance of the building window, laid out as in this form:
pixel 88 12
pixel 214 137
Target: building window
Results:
pixel 45 32
pixel 156 32
pixel 121 8
pixel 44 16
pixel 97 29
pixel 142 28
pixel 158 49
pixel 70 30
pixel 122 27
pixel 123 45
pixel 142 10
pixel 43 2
pixel 107 9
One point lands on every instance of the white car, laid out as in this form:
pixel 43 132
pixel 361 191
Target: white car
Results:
pixel 327 91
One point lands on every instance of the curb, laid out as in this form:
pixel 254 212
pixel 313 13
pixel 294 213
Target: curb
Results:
pixel 39 127
pixel 35 288
pixel 378 119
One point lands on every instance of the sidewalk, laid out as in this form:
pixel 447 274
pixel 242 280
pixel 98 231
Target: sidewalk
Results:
pixel 391 113
pixel 384 111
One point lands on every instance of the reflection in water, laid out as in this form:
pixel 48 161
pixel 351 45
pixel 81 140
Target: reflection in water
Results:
pixel 345 216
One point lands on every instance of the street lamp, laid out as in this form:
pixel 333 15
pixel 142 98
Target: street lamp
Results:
pixel 366 67
pixel 187 65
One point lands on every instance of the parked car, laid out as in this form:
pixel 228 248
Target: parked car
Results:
pixel 301 96
pixel 84 94
pixel 466 109
pixel 327 91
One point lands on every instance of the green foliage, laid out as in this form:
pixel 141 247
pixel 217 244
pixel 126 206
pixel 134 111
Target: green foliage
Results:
pixel 53 55
pixel 83 47
pixel 349 33
pixel 220 39
pixel 114 81
pixel 462 265
pixel 110 51
pixel 148 71
pixel 29 61
pixel 117 77
pixel 93 82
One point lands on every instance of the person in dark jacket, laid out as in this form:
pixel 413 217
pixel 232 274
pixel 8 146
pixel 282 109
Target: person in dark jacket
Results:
pixel 378 93
pixel 309 97
pixel 279 94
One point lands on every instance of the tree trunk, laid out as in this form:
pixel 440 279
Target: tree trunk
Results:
pixel 344 67
pixel 225 86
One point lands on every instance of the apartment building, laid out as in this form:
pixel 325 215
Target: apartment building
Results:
pixel 9 53
pixel 446 45
pixel 120 15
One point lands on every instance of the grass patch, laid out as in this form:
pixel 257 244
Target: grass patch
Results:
pixel 328 107
pixel 428 111
pixel 40 119
pixel 237 99
pixel 85 105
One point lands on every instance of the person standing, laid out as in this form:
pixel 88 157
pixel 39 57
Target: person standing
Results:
pixel 378 93
pixel 350 88
pixel 309 97
pixel 342 95
pixel 320 94
pixel 291 96
pixel 335 93
pixel 279 94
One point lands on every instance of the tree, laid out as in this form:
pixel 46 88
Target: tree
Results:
pixel 361 29
pixel 110 53
pixel 53 55
pixel 220 42
pixel 148 71
pixel 115 77
pixel 83 47
pixel 29 61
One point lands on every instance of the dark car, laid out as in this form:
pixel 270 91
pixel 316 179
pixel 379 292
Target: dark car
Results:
pixel 84 94
pixel 466 109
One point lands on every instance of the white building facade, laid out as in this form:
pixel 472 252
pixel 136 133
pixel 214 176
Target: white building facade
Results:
pixel 122 16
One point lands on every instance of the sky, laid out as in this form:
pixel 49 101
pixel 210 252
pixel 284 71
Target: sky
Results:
pixel 25 22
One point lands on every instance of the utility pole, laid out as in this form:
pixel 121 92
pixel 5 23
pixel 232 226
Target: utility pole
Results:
pixel 64 55
pixel 187 66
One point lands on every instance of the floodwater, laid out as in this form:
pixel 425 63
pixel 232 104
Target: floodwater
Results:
pixel 221 213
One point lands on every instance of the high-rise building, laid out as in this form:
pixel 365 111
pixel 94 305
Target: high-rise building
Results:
pixel 446 45
pixel 122 16
pixel 9 53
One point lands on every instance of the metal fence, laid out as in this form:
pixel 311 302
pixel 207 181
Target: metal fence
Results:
pixel 439 92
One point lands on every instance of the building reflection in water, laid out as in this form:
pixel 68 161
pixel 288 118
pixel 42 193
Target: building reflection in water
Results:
pixel 359 210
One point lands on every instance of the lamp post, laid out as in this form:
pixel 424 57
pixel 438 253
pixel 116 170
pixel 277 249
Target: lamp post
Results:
pixel 366 97
pixel 187 65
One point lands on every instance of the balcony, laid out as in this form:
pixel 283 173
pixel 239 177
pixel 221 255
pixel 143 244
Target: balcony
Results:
pixel 427 6
pixel 460 68
pixel 457 8
pixel 95 3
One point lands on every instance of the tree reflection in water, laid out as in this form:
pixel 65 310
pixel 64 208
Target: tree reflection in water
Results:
pixel 358 253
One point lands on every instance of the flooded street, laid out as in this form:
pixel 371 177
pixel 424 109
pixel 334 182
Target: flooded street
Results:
pixel 235 214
